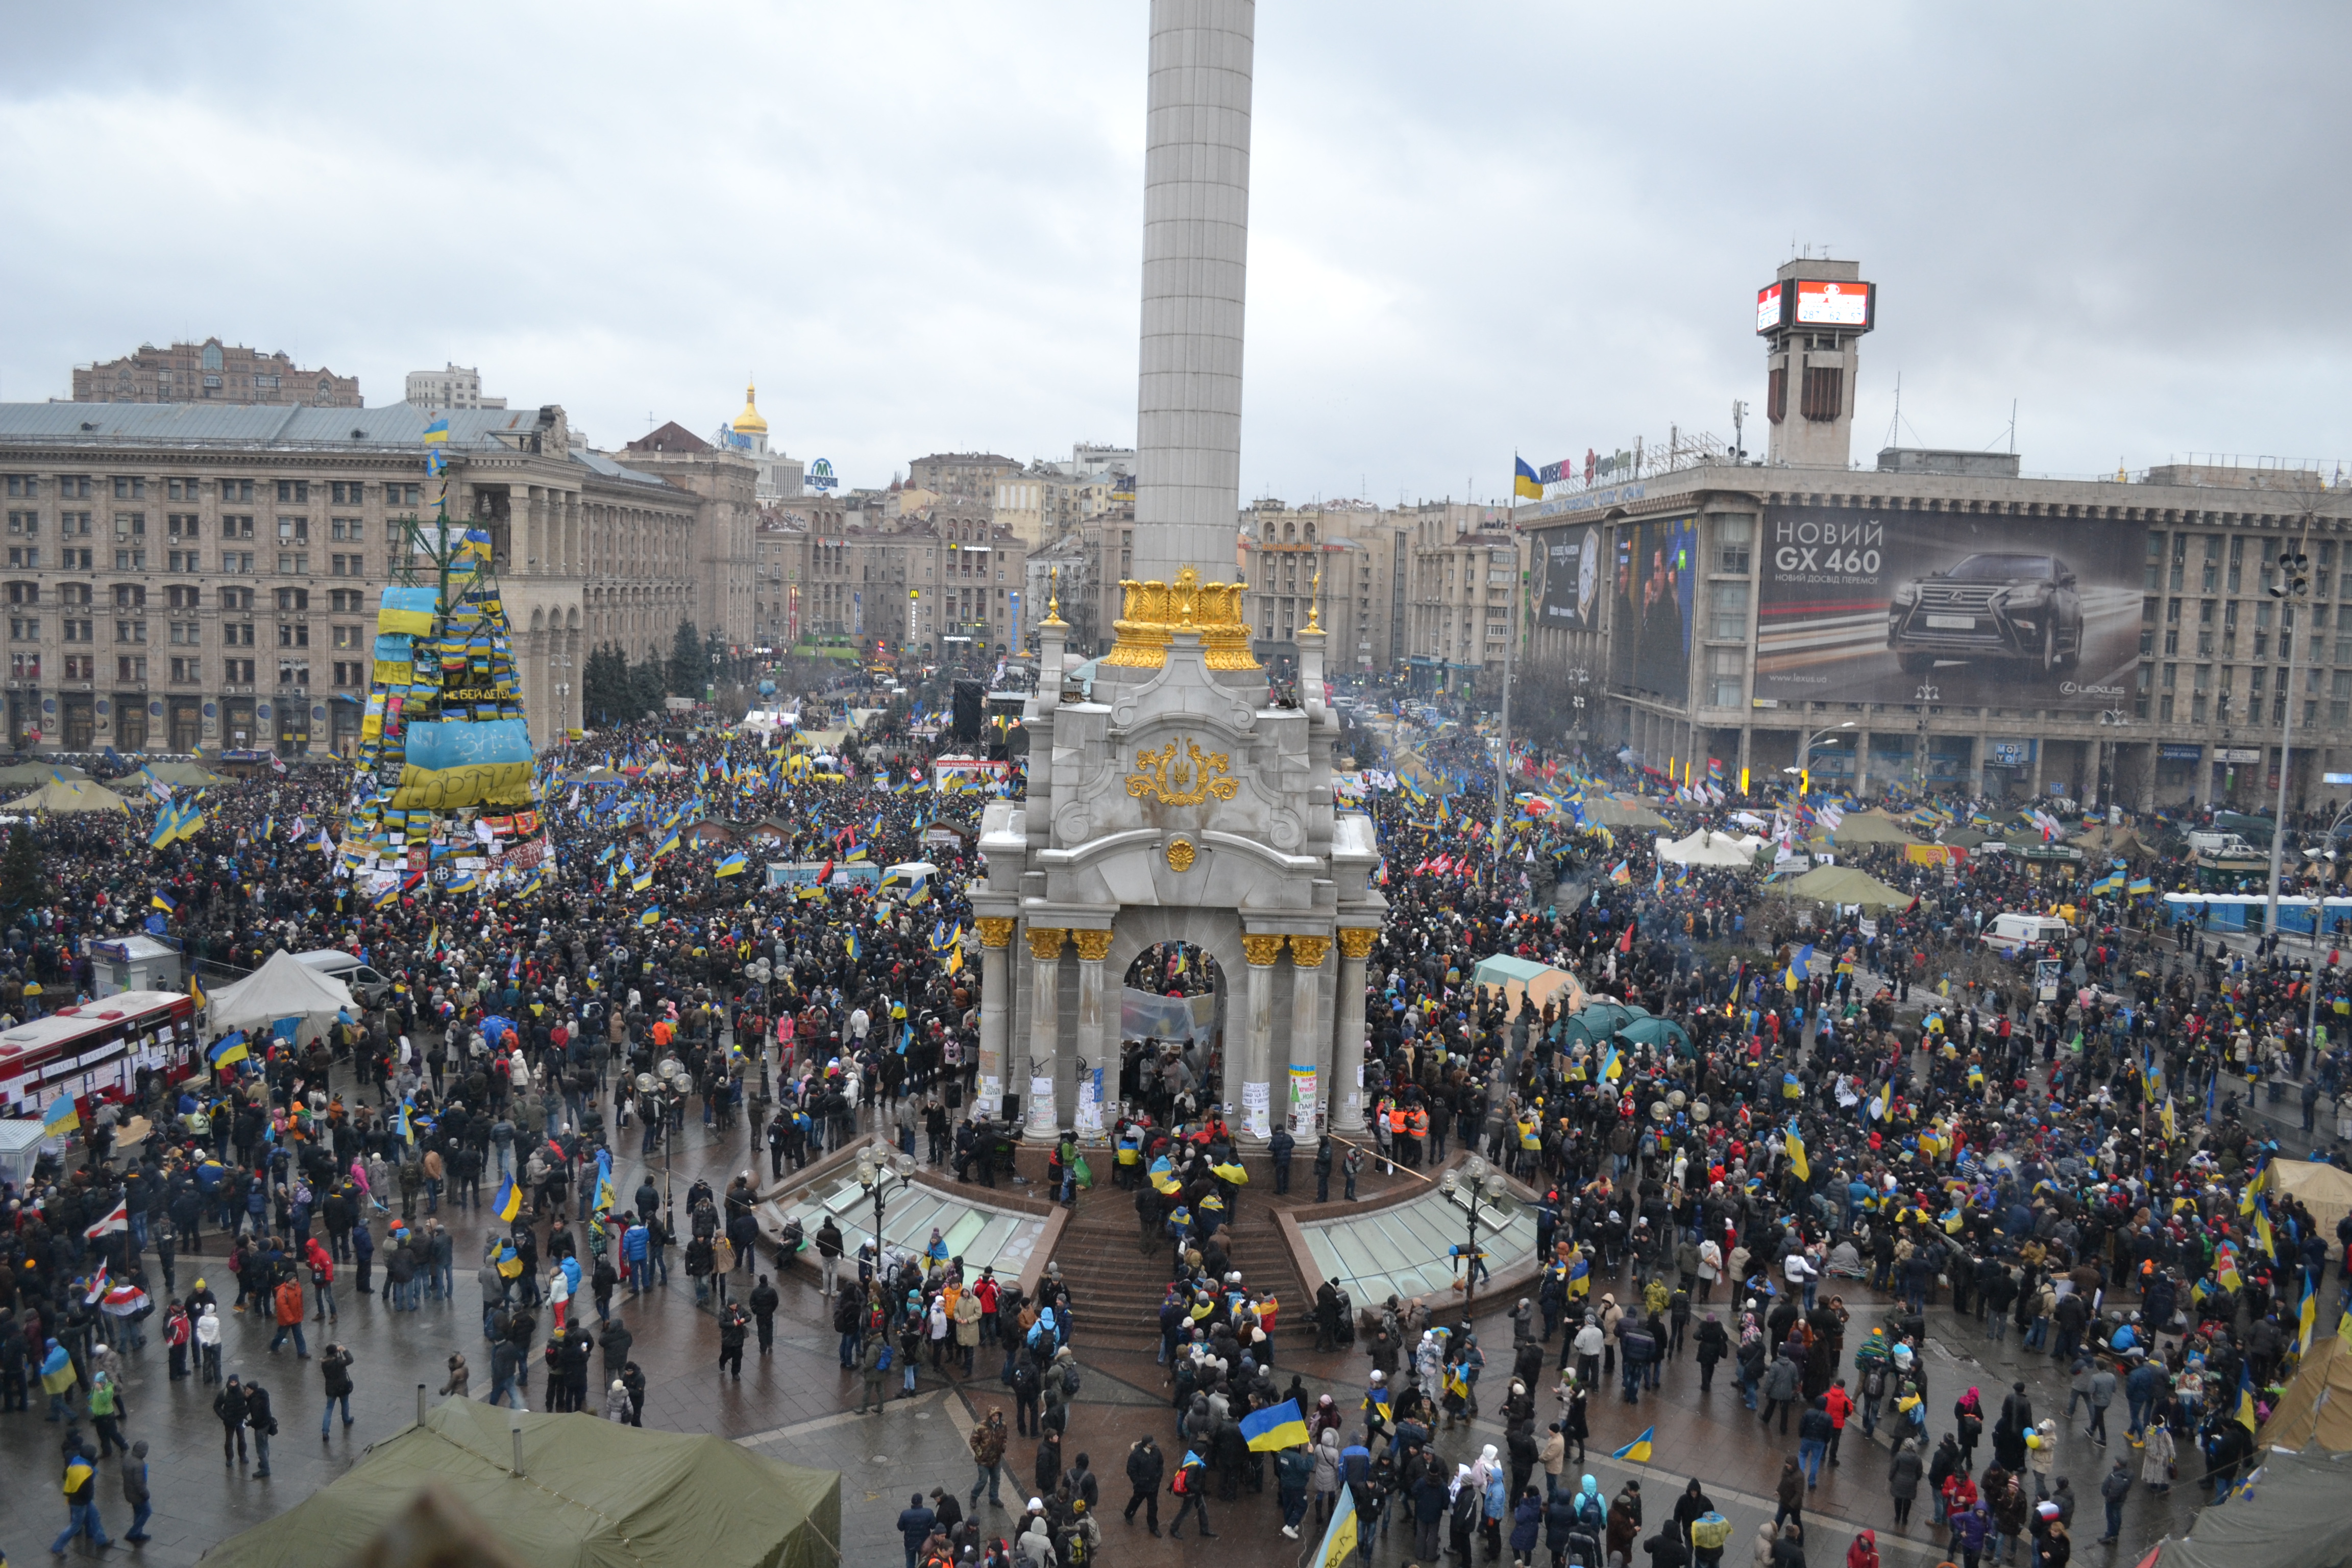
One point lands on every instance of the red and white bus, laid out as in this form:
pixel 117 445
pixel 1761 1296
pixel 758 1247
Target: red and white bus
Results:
pixel 95 1051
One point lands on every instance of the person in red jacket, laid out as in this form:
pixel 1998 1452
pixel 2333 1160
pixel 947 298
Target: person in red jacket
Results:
pixel 323 1278
pixel 1841 1405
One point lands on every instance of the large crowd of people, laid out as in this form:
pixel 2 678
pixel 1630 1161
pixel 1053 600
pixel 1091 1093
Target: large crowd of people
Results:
pixel 1829 1122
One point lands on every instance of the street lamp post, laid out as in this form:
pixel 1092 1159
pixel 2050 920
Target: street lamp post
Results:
pixel 1805 752
pixel 876 1169
pixel 2293 584
pixel 1476 1181
pixel 2318 913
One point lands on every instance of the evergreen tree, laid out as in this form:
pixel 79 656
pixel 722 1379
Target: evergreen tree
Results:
pixel 688 670
pixel 647 687
pixel 21 887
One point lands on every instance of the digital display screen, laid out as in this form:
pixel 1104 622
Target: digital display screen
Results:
pixel 1833 304
pixel 1768 308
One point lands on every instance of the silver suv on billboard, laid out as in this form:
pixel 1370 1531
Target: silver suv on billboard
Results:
pixel 1993 605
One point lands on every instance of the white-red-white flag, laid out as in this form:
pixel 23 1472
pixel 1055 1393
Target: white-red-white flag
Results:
pixel 118 1220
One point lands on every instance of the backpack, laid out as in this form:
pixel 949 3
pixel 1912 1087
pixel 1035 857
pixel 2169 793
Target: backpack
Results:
pixel 1069 1380
pixel 1710 1530
pixel 1180 1485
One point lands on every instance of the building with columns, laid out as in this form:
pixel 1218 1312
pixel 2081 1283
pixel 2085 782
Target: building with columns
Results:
pixel 1945 621
pixel 1171 800
pixel 181 575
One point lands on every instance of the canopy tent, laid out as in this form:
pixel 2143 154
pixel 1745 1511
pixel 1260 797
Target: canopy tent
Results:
pixel 596 776
pixel 1519 977
pixel 32 775
pixel 180 775
pixel 1841 885
pixel 2117 842
pixel 2325 1191
pixel 1965 837
pixel 1860 827
pixel 1709 847
pixel 2295 1517
pixel 593 1494
pixel 1611 812
pixel 71 796
pixel 284 987
pixel 2316 1411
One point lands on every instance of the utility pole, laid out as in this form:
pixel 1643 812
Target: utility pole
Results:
pixel 2293 584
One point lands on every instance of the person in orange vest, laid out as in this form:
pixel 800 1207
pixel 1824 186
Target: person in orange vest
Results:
pixel 1399 1129
pixel 1417 1126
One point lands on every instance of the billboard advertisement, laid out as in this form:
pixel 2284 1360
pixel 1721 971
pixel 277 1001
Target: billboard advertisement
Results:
pixel 1571 581
pixel 1833 304
pixel 1861 605
pixel 1769 308
pixel 1656 584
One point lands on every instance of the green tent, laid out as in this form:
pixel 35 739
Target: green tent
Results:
pixel 1839 885
pixel 32 775
pixel 1860 827
pixel 593 1494
pixel 72 795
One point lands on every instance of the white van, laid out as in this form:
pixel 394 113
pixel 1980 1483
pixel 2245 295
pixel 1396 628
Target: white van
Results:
pixel 2213 845
pixel 2011 934
pixel 367 986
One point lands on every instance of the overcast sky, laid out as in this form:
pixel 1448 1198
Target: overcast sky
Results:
pixel 1476 227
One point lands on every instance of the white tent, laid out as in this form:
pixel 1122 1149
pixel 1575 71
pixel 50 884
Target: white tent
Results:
pixel 1707 848
pixel 284 987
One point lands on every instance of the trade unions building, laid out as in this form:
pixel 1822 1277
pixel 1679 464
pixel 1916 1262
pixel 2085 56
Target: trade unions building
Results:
pixel 1943 621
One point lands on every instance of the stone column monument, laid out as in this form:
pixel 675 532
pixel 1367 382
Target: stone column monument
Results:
pixel 1185 800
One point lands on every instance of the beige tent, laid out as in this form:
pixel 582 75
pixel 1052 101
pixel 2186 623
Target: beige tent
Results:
pixel 1841 885
pixel 1611 812
pixel 2325 1191
pixel 1708 847
pixel 72 795
pixel 1860 827
pixel 2316 1408
pixel 32 775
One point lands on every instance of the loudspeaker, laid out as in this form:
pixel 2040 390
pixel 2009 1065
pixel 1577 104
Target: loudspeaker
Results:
pixel 968 695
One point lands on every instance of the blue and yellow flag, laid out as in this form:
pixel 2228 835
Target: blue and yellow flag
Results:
pixel 1799 967
pixel 1277 1428
pixel 850 943
pixel 1796 1147
pixel 2246 1398
pixel 508 1203
pixel 228 1050
pixel 161 899
pixel 1340 1535
pixel 2306 1317
pixel 436 434
pixel 1638 1450
pixel 197 993
pixel 61 1117
pixel 732 866
pixel 651 917
pixel 1524 480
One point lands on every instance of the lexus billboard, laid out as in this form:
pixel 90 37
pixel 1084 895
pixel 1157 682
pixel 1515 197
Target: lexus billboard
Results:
pixel 1861 605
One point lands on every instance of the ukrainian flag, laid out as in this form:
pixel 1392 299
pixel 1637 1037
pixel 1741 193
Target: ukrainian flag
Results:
pixel 1800 967
pixel 437 433
pixel 1796 1147
pixel 734 865
pixel 1275 1427
pixel 228 1050
pixel 162 901
pixel 1638 1450
pixel 508 1202
pixel 2307 1318
pixel 2246 1398
pixel 1524 482
pixel 668 845
pixel 195 993
pixel 1340 1536
pixel 61 1117
pixel 856 852
pixel 651 917
pixel 850 943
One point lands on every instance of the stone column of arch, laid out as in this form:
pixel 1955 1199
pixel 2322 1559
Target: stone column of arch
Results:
pixel 1252 1096
pixel 995 1009
pixel 1301 1107
pixel 1346 1096
pixel 1096 1035
pixel 1039 1110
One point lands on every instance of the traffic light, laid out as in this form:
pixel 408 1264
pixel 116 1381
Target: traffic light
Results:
pixel 1804 781
pixel 2294 577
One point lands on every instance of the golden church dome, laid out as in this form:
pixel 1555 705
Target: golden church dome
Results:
pixel 748 422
